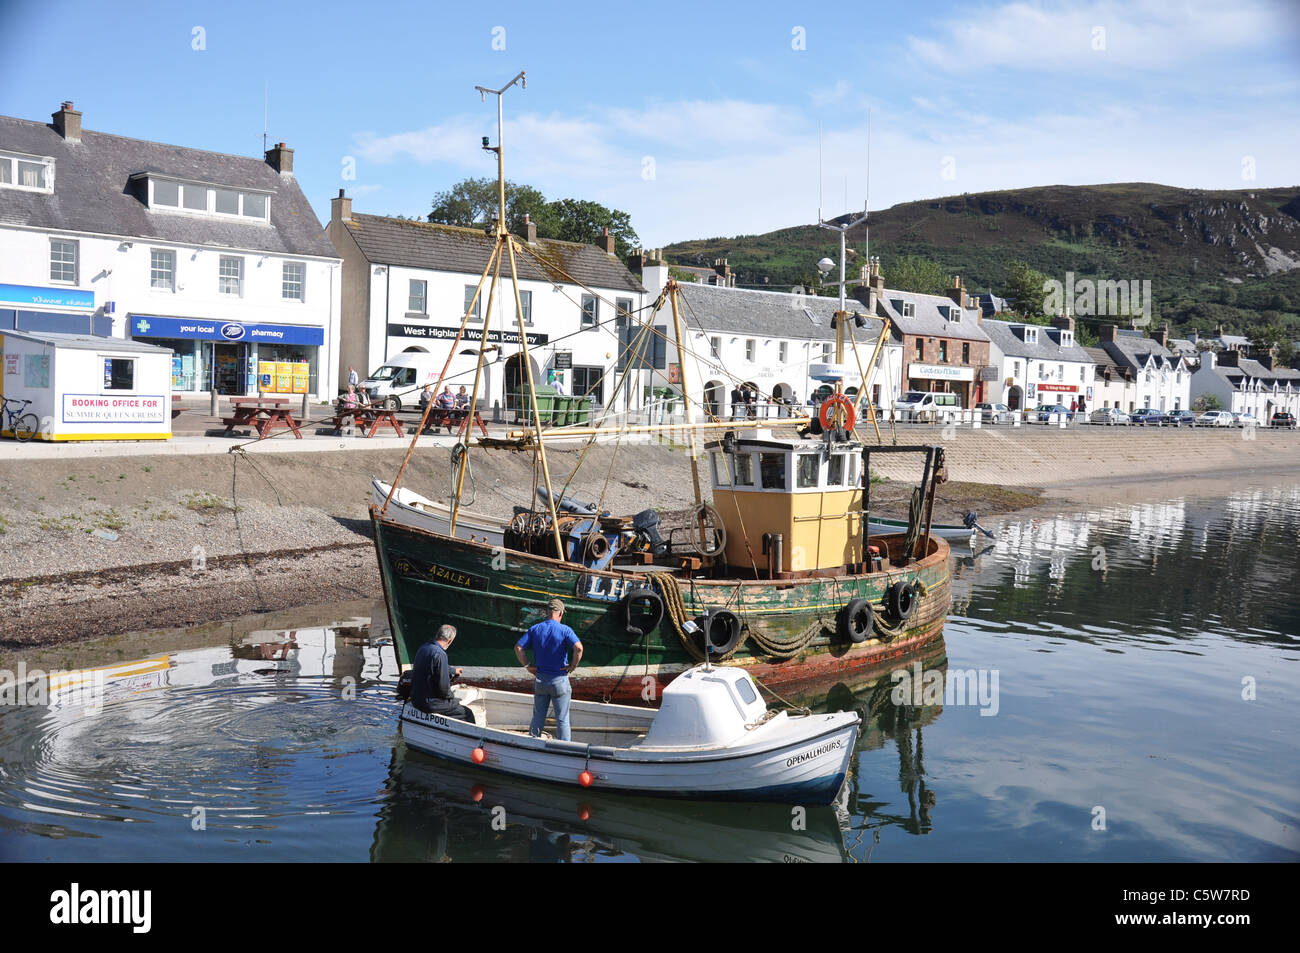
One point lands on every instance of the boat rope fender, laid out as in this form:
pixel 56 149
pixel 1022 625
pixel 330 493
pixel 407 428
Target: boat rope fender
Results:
pixel 651 600
pixel 827 408
pixel 857 621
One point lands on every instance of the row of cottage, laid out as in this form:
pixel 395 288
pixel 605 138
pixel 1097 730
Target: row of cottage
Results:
pixel 219 263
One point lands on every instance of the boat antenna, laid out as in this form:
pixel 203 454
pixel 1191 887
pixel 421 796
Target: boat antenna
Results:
pixel 819 171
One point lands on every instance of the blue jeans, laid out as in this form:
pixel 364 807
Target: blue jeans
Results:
pixel 547 689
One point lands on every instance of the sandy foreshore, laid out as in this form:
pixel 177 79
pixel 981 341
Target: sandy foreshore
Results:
pixel 103 545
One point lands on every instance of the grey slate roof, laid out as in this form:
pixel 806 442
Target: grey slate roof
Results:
pixel 1131 348
pixel 991 304
pixel 393 241
pixel 93 192
pixel 86 342
pixel 927 319
pixel 1103 360
pixel 768 314
pixel 1001 334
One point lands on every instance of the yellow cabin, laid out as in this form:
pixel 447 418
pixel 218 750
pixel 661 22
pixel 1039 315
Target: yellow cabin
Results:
pixel 801 498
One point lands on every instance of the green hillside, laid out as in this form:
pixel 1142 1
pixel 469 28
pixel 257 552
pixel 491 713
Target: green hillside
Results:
pixel 1213 257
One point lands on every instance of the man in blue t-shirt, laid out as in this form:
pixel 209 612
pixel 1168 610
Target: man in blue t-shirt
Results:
pixel 551 642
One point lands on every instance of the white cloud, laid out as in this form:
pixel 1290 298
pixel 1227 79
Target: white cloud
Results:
pixel 833 94
pixel 1059 37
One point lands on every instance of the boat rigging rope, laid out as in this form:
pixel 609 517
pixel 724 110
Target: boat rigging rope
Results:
pixel 675 609
pixel 781 649
pixel 913 523
pixel 459 451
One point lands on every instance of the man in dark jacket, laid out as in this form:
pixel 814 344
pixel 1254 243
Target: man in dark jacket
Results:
pixel 431 678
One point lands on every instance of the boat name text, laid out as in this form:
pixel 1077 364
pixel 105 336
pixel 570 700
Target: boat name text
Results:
pixel 814 753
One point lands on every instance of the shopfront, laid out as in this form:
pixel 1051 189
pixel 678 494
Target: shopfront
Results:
pixel 209 354
pixel 27 308
pixel 945 378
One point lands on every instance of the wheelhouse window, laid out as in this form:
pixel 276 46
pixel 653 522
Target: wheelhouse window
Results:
pixel 772 470
pixel 744 469
pixel 835 470
pixel 162 269
pixel 230 275
pixel 63 261
pixel 589 311
pixel 806 478
pixel 293 281
pixel 721 469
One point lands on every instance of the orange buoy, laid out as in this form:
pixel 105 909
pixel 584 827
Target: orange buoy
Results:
pixel 478 755
pixel 828 405
pixel 476 792
pixel 584 812
pixel 585 779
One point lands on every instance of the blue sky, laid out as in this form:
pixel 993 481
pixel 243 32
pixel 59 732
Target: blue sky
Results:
pixel 698 119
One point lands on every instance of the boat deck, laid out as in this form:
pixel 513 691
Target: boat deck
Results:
pixel 591 723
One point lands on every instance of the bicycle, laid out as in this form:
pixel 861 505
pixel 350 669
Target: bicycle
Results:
pixel 23 426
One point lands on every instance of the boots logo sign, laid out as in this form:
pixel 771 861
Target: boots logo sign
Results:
pixel 232 332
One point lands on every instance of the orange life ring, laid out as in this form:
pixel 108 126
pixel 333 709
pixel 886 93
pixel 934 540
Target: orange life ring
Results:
pixel 837 400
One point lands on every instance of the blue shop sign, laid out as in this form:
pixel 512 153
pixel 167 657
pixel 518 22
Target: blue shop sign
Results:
pixel 47 297
pixel 201 329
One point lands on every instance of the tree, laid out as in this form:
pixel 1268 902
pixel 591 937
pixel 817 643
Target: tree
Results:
pixel 1207 402
pixel 916 274
pixel 1085 336
pixel 1025 289
pixel 474 203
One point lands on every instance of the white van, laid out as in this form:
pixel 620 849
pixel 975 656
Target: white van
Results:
pixel 925 405
pixel 399 381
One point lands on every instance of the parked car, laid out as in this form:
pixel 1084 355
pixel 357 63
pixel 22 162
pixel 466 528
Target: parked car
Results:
pixel 1215 418
pixel 1052 413
pixel 1111 417
pixel 927 405
pixel 1245 419
pixel 995 413
pixel 1148 415
pixel 1283 419
pixel 1180 418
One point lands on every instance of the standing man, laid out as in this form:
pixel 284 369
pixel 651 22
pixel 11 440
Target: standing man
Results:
pixel 550 641
pixel 432 675
pixel 352 377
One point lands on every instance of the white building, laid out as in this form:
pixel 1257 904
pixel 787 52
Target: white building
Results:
pixel 1113 383
pixel 769 341
pixel 1039 364
pixel 1248 386
pixel 408 285
pixel 1162 380
pixel 217 257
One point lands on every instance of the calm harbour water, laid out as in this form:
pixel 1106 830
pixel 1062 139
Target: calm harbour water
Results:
pixel 1147 664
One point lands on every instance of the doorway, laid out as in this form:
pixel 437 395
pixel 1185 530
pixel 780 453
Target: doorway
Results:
pixel 228 369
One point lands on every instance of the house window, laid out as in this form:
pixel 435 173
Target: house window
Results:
pixel 63 261
pixel 749 349
pixel 1031 335
pixel 965 353
pixel 589 311
pixel 294 281
pixel 21 172
pixel 943 352
pixel 920 349
pixel 782 351
pixel 230 275
pixel 909 309
pixel 1060 372
pixel 1042 372
pixel 827 351
pixel 954 314
pixel 207 200
pixel 715 347
pixel 1082 373
pixel 166 194
pixel 1015 369
pixel 254 206
pixel 162 269
pixel 526 302
pixel 195 198
pixel 472 312
pixel 119 373
pixel 624 307
pixel 589 382
pixel 226 202
pixel 416 299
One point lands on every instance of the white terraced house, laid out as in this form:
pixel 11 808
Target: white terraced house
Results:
pixel 1039 364
pixel 219 258
pixel 1257 387
pixel 1162 380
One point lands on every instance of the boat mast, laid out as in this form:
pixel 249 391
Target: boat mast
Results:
pixel 504 239
pixel 686 393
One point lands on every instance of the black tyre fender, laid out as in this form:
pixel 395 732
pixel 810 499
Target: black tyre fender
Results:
pixel 634 621
pixel 721 631
pixel 902 598
pixel 857 620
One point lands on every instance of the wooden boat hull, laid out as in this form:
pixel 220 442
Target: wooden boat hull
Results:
pixel 493 595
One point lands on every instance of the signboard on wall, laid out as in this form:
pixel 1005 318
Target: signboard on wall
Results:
pixel 106 409
pixel 563 360
pixel 471 334
pixel 940 372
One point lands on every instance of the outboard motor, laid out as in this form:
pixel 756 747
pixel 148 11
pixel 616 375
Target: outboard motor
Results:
pixel 646 523
pixel 971 522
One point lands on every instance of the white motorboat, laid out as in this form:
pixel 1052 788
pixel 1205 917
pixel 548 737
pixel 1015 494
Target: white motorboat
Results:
pixel 712 737
pixel 412 509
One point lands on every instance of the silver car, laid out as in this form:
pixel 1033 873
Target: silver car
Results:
pixel 1215 418
pixel 995 413
pixel 1110 416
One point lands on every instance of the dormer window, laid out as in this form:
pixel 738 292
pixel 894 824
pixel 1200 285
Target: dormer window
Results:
pixel 195 198
pixel 1031 335
pixel 1067 339
pixel 26 173
pixel 909 309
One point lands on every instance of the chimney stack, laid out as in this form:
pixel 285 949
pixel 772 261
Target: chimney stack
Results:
pixel 957 293
pixel 1106 333
pixel 280 158
pixel 1228 358
pixel 67 122
pixel 606 243
pixel 636 261
pixel 1162 336
pixel 341 208
pixel 530 229
pixel 1064 323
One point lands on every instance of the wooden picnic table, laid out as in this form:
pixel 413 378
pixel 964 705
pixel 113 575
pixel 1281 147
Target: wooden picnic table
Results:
pixel 368 418
pixel 261 413
pixel 459 418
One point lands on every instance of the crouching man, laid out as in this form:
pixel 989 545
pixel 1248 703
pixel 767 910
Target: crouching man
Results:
pixel 432 675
